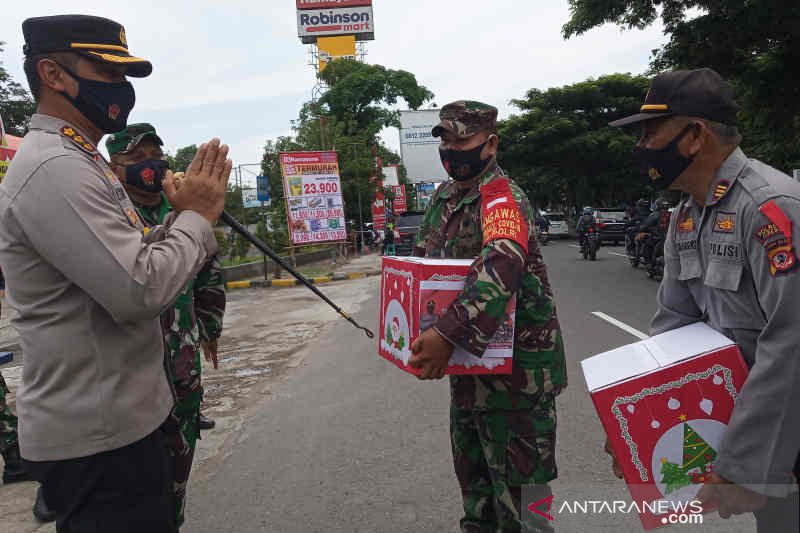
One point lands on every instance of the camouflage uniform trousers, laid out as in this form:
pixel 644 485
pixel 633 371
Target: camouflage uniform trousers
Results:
pixel 8 420
pixel 497 454
pixel 182 432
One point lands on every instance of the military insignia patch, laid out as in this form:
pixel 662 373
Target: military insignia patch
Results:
pixel 122 37
pixel 78 140
pixel 725 223
pixel 721 189
pixel 501 217
pixel 686 225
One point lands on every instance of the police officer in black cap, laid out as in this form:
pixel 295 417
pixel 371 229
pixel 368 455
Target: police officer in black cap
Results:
pixel 731 261
pixel 88 281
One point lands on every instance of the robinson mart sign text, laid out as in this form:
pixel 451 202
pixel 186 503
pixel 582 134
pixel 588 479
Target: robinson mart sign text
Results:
pixel 327 4
pixel 345 21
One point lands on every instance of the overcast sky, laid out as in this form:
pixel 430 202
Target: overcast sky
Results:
pixel 236 69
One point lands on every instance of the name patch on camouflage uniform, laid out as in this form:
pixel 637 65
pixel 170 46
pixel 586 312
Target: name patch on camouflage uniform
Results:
pixel 500 215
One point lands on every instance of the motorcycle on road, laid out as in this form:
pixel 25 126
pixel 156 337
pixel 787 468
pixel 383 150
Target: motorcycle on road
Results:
pixel 590 244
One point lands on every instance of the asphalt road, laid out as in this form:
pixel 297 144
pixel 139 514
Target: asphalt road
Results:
pixel 348 443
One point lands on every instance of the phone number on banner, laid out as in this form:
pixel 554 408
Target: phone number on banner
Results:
pixel 318 236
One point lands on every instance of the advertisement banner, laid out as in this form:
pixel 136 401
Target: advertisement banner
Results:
pixel 400 205
pixel 250 198
pixel 327 4
pixel 313 191
pixel 424 194
pixel 418 148
pixel 379 211
pixel 331 48
pixel 314 23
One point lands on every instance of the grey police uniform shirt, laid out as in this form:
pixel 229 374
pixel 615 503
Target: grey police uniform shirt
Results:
pixel 88 286
pixel 734 267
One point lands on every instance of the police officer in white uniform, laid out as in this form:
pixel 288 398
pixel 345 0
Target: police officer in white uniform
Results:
pixel 731 261
pixel 88 282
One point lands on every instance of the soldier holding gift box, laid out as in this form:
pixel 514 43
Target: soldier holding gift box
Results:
pixel 502 427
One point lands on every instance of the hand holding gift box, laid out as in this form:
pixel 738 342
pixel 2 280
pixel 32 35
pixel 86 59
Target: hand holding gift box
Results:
pixel 414 293
pixel 664 403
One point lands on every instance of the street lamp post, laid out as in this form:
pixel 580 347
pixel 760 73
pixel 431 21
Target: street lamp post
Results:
pixel 358 190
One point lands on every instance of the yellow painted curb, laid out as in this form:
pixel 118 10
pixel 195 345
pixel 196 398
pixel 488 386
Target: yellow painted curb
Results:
pixel 283 282
pixel 238 285
pixel 356 275
pixel 322 279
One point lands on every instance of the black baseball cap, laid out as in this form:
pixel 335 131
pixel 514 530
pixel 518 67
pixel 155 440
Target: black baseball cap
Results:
pixel 698 93
pixel 97 38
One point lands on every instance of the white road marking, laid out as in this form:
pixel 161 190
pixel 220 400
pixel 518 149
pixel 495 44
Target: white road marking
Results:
pixel 574 245
pixel 617 254
pixel 621 325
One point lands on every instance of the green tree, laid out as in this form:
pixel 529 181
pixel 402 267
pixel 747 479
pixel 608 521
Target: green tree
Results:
pixel 240 246
pixel 16 104
pixel 561 148
pixel 182 158
pixel 360 102
pixel 755 44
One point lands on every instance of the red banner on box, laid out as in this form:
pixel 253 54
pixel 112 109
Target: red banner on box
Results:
pixel 415 292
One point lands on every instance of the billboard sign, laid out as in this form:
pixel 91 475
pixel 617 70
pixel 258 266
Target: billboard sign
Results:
pixel 314 203
pixel 331 4
pixel 314 23
pixel 262 190
pixel 250 198
pixel 331 48
pixel 424 194
pixel 420 149
pixel 400 205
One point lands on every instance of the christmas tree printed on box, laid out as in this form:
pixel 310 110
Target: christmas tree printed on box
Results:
pixel 698 459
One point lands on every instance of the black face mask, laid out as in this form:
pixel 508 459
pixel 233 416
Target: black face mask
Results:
pixel 147 175
pixel 664 165
pixel 106 104
pixel 464 165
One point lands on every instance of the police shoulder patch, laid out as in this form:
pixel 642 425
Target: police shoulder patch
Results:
pixel 78 140
pixel 501 217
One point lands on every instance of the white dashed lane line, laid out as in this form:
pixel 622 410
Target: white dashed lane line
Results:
pixel 621 325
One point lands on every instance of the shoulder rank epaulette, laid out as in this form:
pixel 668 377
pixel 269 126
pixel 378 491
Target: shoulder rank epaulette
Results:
pixel 70 133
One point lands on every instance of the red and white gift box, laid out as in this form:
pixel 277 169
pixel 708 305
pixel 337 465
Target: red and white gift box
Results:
pixel 408 286
pixel 665 403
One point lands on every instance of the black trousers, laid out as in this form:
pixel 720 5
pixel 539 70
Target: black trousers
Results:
pixel 125 490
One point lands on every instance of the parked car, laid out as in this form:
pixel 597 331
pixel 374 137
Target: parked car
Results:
pixel 558 224
pixel 611 223
pixel 408 224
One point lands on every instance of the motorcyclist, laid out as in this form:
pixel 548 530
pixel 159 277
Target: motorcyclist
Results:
pixel 587 220
pixel 652 224
pixel 641 211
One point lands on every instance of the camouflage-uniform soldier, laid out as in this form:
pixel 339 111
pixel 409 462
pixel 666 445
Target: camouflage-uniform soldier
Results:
pixel 9 447
pixel 194 319
pixel 502 427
